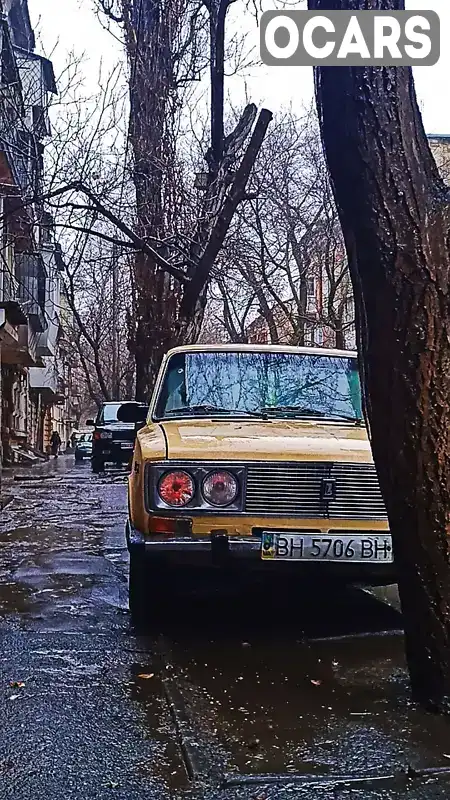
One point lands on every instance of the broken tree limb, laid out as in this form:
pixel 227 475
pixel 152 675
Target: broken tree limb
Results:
pixel 237 138
pixel 235 195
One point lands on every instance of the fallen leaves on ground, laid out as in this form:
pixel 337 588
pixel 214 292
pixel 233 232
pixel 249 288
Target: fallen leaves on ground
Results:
pixel 316 683
pixel 17 684
pixel 254 743
pixel 145 676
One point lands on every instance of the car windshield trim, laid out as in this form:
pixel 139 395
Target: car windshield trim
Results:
pixel 262 385
pixel 210 409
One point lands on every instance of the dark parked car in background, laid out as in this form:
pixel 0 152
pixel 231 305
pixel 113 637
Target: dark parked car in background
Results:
pixel 113 441
pixel 83 446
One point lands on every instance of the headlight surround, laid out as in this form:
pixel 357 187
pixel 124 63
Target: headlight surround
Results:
pixel 176 488
pixel 220 488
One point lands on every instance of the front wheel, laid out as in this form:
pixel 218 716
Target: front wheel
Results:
pixel 97 465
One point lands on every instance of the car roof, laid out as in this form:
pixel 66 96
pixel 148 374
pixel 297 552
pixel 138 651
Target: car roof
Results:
pixel 117 402
pixel 261 348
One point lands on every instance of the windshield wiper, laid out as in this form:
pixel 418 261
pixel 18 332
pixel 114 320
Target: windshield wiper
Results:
pixel 210 409
pixel 309 412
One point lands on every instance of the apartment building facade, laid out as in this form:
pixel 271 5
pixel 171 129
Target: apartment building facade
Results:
pixel 36 391
pixel 440 147
pixel 326 317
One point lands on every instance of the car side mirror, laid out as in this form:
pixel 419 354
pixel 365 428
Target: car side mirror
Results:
pixel 90 423
pixel 135 413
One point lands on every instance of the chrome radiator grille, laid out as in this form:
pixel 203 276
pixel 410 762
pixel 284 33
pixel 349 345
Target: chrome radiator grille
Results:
pixel 299 489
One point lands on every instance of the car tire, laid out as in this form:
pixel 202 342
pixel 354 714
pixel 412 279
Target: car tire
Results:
pixel 143 589
pixel 78 457
pixel 97 465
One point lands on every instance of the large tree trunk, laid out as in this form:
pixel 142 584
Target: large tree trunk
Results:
pixel 150 27
pixel 394 211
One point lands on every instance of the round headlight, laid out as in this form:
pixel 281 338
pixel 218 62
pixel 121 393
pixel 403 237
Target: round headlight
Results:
pixel 220 488
pixel 176 488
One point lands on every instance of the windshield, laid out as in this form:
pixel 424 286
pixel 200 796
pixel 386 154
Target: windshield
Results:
pixel 269 384
pixel 108 413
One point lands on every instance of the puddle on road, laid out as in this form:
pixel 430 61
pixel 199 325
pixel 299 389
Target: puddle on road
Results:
pixel 262 680
pixel 63 557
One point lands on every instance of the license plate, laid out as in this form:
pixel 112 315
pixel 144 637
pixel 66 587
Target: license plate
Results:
pixel 311 547
pixel 126 445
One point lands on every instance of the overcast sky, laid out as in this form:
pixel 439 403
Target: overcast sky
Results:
pixel 66 25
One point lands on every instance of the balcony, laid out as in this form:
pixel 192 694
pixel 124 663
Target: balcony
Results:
pixel 15 140
pixel 46 344
pixel 18 148
pixel 48 339
pixel 19 346
pixel 46 380
pixel 9 298
pixel 31 277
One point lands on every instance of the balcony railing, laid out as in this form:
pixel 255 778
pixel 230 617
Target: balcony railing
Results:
pixel 10 287
pixel 15 141
pixel 31 277
pixel 16 145
pixel 9 297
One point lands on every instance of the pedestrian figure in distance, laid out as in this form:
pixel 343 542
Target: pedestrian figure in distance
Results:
pixel 55 443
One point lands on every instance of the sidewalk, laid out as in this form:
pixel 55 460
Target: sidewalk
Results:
pixel 23 473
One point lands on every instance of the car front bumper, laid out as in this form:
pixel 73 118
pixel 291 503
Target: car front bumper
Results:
pixel 224 551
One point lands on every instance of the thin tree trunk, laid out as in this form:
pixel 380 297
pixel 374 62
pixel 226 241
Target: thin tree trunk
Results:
pixel 217 13
pixel 339 339
pixel 394 211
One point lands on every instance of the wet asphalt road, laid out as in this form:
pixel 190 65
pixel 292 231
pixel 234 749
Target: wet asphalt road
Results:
pixel 248 692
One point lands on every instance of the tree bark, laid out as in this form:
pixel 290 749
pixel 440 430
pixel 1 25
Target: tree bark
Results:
pixel 394 210
pixel 150 29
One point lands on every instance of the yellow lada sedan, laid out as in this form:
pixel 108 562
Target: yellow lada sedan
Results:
pixel 255 457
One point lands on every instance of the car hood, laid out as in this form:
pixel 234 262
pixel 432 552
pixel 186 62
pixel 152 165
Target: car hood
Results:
pixel 275 440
